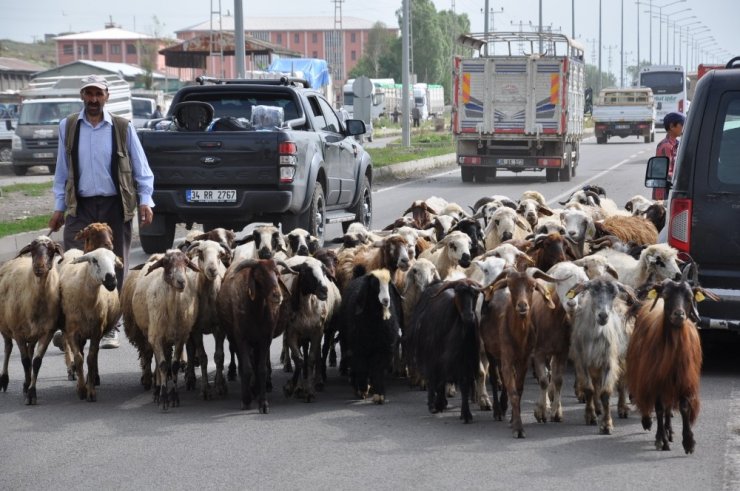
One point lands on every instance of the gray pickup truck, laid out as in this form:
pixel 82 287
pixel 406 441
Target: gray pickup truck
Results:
pixel 233 152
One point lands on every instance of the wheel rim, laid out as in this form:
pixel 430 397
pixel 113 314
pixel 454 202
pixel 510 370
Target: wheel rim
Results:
pixel 320 212
pixel 367 208
pixel 6 155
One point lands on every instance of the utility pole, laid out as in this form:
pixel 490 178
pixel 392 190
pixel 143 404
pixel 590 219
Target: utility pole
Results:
pixel 240 52
pixel 621 48
pixel 650 20
pixel 573 19
pixel 600 75
pixel 485 24
pixel 405 134
pixel 540 31
pixel 638 34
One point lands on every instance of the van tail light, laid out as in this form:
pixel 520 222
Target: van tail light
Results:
pixel 680 106
pixel 679 226
pixel 287 152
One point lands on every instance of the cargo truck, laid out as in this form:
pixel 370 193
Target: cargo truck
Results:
pixel 517 109
pixel 623 113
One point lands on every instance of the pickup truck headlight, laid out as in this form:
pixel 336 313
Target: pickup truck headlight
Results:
pixel 17 143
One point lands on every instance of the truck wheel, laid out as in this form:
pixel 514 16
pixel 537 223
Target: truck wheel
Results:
pixel 52 169
pixel 601 140
pixel 363 210
pixel 480 175
pixel 6 154
pixel 164 224
pixel 19 170
pixel 491 175
pixel 564 173
pixel 652 137
pixel 551 175
pixel 315 217
pixel 467 174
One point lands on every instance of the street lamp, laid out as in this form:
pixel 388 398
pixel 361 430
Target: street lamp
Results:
pixel 667 27
pixel 660 33
pixel 680 38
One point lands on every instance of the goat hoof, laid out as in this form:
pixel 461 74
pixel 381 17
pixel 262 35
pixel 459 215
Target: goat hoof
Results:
pixel 97 380
pixel 231 374
pixel 379 399
pixel 519 433
pixel 485 405
pixel 688 445
pixel 4 382
pixel 163 399
pixel 71 375
pixel 624 413
pixel 31 397
pixel 605 430
pixel 310 397
pixel 91 396
pixel 287 368
pixel 556 418
pixel 82 393
pixel 647 423
pixel 25 387
pixel 264 409
pixel 288 390
pixel 174 397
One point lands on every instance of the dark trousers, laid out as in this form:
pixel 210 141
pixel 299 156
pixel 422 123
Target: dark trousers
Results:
pixel 104 209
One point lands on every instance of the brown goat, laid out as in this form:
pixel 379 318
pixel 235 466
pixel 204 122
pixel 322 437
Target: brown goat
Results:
pixel 664 360
pixel 391 253
pixel 551 249
pixel 508 336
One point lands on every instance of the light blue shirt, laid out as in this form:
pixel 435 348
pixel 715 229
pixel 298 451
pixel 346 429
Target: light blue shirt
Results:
pixel 94 158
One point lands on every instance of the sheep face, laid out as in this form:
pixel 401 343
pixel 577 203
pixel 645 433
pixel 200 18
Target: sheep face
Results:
pixel 102 266
pixel 504 223
pixel 578 225
pixel 422 274
pixel 301 243
pixel 661 262
pixel 311 279
pixel 442 225
pixel 412 237
pixel 96 235
pixel 174 262
pixel 396 250
pixel 595 266
pixel 491 267
pixel 458 249
pixel 531 210
pixel 267 241
pixel 42 250
pixel 472 229
pixel 211 255
pixel 379 286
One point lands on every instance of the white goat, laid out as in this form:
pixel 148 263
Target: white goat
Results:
pixel 658 260
pixel 451 251
pixel 505 224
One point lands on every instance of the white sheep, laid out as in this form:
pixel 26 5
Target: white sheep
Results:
pixel 657 261
pixel 505 224
pixel 91 307
pixel 263 243
pixel 166 308
pixel 450 252
pixel 30 308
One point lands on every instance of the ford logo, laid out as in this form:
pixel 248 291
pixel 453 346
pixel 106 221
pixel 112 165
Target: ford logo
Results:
pixel 210 161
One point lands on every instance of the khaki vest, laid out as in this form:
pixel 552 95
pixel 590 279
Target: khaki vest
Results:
pixel 126 184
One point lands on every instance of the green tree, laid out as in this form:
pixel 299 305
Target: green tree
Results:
pixel 633 71
pixel 597 83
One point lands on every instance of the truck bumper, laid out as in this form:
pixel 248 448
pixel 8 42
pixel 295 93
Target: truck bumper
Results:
pixel 29 158
pixel 249 204
pixel 723 315
pixel 514 164
pixel 622 129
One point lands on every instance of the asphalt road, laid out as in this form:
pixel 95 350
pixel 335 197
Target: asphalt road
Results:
pixel 124 441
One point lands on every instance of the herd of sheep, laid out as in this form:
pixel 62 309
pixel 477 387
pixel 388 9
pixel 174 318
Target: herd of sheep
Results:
pixel 450 298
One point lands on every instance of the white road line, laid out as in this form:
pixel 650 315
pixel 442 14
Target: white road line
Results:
pixel 732 449
pixel 590 179
pixel 415 180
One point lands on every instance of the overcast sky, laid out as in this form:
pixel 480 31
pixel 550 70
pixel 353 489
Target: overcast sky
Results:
pixel 31 19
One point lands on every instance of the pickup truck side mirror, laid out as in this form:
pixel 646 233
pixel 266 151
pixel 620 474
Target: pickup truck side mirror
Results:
pixel 355 127
pixel 656 174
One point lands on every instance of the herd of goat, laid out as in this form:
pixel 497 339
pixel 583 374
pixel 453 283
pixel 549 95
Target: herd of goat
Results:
pixel 450 299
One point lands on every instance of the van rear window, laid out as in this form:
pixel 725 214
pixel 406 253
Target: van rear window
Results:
pixel 728 158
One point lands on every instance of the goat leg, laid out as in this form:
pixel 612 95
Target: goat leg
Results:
pixel 191 347
pixel 541 375
pixel 607 425
pixel 688 435
pixel 661 441
pixel 481 391
pixel 219 357
pixel 92 368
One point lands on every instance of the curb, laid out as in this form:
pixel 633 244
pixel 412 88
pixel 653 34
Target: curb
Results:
pixel 403 169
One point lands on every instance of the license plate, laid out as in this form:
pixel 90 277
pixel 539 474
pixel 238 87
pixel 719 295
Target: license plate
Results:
pixel 210 196
pixel 510 161
pixel 43 155
pixel 622 126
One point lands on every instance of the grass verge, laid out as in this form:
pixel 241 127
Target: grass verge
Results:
pixel 29 189
pixel 422 146
pixel 26 225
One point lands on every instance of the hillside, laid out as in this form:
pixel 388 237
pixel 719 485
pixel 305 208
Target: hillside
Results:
pixel 41 53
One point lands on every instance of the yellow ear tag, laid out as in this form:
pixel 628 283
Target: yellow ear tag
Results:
pixel 571 294
pixel 699 297
pixel 652 294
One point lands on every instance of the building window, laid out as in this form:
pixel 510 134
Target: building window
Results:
pixel 97 49
pixel 315 54
pixel 68 49
pixel 82 50
pixel 354 55
pixel 296 38
pixel 279 38
pixel 314 38
pixel 353 38
pixel 115 49
pixel 130 49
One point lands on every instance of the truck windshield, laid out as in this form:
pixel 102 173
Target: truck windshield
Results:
pixel 47 112
pixel 663 82
pixel 239 105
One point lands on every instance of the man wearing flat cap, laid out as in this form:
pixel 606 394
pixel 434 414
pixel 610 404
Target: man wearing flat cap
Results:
pixel 102 175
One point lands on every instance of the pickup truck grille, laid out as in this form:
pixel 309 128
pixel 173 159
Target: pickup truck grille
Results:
pixel 42 143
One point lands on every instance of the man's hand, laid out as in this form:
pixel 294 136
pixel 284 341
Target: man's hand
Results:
pixel 146 215
pixel 56 221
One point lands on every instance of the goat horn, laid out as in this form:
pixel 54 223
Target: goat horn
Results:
pixel 287 269
pixel 247 263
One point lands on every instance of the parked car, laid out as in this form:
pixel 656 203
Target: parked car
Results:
pixel 704 200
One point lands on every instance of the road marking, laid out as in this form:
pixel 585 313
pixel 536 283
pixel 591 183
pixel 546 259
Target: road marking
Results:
pixel 415 180
pixel 137 402
pixel 732 449
pixel 591 179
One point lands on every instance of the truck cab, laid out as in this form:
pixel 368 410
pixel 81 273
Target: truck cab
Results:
pixel 704 201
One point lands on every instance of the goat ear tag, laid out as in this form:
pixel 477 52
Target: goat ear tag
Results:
pixel 571 294
pixel 699 297
pixel 652 294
